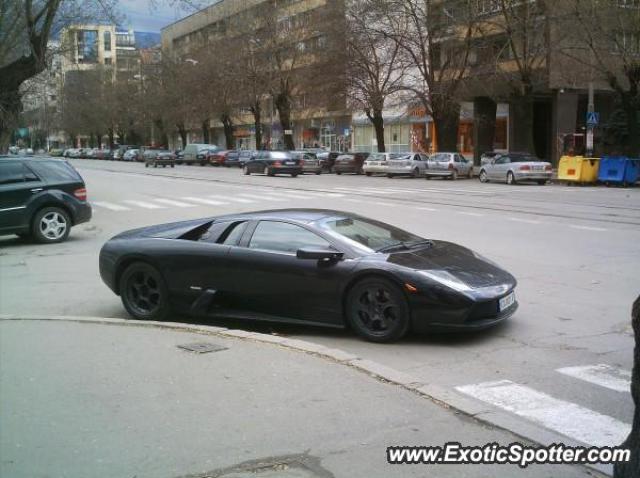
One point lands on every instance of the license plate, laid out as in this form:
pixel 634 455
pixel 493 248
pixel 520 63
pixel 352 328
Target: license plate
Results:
pixel 289 162
pixel 538 168
pixel 507 301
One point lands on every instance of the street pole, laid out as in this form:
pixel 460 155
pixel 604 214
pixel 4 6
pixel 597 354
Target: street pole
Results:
pixel 590 109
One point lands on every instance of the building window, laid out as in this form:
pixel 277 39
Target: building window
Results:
pixel 107 61
pixel 107 41
pixel 87 46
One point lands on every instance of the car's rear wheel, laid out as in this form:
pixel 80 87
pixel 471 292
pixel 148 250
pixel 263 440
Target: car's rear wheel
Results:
pixel 454 175
pixel 318 173
pixel 294 175
pixel 51 225
pixel 144 293
pixel 378 310
pixel 415 173
pixel 483 176
pixel 245 170
pixel 511 178
pixel 389 175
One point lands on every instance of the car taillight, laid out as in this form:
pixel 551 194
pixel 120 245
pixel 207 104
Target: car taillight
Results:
pixel 277 163
pixel 80 194
pixel 525 167
pixel 548 167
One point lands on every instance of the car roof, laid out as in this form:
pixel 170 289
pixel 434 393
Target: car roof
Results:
pixel 306 216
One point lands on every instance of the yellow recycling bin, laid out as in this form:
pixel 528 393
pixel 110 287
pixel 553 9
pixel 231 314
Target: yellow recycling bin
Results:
pixel 578 169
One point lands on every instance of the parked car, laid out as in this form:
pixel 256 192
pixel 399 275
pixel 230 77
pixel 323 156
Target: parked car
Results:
pixel 321 267
pixel 132 155
pixel 328 159
pixel 217 157
pixel 247 155
pixel 272 163
pixel 197 153
pixel 376 163
pixel 162 157
pixel 41 198
pixel 350 163
pixel 514 167
pixel 14 150
pixel 179 155
pixel 407 164
pixel 56 152
pixel 310 163
pixel 448 165
pixel 118 153
pixel 25 152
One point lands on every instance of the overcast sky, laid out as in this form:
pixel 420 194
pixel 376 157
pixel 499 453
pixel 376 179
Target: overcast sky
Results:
pixel 142 15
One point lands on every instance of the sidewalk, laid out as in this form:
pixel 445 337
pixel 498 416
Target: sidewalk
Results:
pixel 123 400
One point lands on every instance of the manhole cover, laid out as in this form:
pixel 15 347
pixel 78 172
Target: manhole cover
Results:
pixel 203 347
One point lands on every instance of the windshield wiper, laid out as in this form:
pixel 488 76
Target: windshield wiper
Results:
pixel 405 245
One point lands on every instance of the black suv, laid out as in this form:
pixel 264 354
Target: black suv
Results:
pixel 41 197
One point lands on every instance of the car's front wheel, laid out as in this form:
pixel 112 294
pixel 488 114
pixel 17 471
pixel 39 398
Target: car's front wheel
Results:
pixel 50 225
pixel 377 310
pixel 511 179
pixel 483 177
pixel 144 293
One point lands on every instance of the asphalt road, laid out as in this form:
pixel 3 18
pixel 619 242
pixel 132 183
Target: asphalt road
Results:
pixel 574 251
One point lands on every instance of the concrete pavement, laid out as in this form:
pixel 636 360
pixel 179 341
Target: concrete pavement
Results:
pixel 117 398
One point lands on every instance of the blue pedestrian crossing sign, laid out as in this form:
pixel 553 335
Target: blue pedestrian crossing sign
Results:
pixel 593 118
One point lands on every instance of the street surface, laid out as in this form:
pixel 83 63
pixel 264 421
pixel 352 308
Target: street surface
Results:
pixel 566 353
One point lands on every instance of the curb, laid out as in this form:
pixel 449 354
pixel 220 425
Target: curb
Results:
pixel 441 396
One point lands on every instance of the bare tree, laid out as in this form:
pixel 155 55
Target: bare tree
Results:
pixel 375 67
pixel 436 36
pixel 604 46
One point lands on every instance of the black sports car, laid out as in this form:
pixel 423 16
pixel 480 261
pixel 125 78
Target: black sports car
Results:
pixel 309 266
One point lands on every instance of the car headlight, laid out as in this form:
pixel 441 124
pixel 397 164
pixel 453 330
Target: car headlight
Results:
pixel 447 279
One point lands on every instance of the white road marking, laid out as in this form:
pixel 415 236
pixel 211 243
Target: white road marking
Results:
pixel 289 195
pixel 261 197
pixel 380 203
pixel 366 190
pixel 171 202
pixel 587 228
pixel 231 198
pixel 474 214
pixel 109 205
pixel 526 221
pixel 208 202
pixel 143 204
pixel 604 375
pixel 426 209
pixel 567 418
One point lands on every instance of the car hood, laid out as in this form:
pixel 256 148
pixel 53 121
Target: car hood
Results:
pixel 458 261
pixel 165 231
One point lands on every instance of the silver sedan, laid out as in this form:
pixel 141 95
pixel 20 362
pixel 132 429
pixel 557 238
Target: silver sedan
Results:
pixel 514 167
pixel 448 165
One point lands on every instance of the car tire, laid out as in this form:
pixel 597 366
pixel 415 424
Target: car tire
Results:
pixel 483 176
pixel 155 165
pixel 245 170
pixel 50 225
pixel 318 173
pixel 415 173
pixel 377 310
pixel 427 177
pixel 511 180
pixel 470 174
pixel 338 173
pixel 542 182
pixel 294 175
pixel 144 293
pixel 146 165
pixel 454 175
pixel 389 175
pixel 173 165
pixel 359 172
pixel 367 174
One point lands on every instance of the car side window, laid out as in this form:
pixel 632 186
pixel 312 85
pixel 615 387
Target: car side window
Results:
pixel 29 175
pixel 503 160
pixel 232 235
pixel 416 157
pixel 11 172
pixel 285 237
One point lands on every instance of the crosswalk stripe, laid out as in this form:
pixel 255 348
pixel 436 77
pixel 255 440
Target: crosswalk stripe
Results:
pixel 171 202
pixel 231 198
pixel 604 375
pixel 143 204
pixel 208 202
pixel 567 418
pixel 261 197
pixel 109 205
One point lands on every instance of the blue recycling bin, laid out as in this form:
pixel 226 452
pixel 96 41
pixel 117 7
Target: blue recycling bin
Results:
pixel 618 170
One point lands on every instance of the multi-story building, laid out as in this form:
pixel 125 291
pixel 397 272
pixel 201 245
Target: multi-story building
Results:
pixel 318 117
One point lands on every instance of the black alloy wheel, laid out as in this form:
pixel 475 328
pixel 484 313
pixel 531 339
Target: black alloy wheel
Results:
pixel 377 310
pixel 143 292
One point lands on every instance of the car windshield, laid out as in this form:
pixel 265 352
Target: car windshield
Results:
pixel 523 158
pixel 370 235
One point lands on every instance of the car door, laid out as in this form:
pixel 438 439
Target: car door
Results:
pixel 463 165
pixel 18 184
pixel 500 167
pixel 271 280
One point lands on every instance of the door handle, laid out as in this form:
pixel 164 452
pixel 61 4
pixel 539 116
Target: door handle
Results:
pixel 36 190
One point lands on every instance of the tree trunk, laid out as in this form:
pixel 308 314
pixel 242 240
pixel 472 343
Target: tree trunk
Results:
pixel 283 105
pixel 183 134
pixel 227 123
pixel 110 132
pixel 10 108
pixel 632 443
pixel 632 113
pixel 521 117
pixel 257 123
pixel 164 137
pixel 484 126
pixel 205 132
pixel 378 125
pixel 446 119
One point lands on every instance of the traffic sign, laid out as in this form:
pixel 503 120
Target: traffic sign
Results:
pixel 593 118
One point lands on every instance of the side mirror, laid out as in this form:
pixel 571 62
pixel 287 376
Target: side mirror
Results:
pixel 319 254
